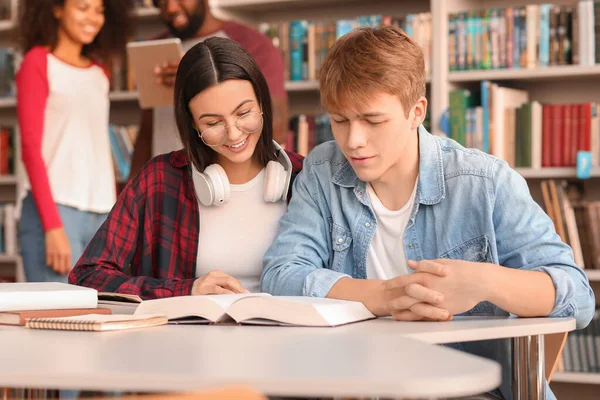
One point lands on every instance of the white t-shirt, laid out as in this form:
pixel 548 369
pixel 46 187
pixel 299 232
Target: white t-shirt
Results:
pixel 386 258
pixel 234 237
pixel 75 144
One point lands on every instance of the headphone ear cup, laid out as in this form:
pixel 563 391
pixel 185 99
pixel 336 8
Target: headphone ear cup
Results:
pixel 204 188
pixel 275 177
pixel 220 184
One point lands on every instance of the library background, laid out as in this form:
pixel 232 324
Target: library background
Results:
pixel 516 78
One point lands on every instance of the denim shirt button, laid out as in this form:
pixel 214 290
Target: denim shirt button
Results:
pixel 360 192
pixel 368 225
pixel 412 246
pixel 340 240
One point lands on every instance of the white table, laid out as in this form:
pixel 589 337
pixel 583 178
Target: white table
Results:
pixel 276 360
pixel 528 360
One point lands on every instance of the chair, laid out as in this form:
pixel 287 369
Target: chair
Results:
pixel 553 345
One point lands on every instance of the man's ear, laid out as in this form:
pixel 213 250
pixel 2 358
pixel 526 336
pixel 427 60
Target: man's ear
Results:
pixel 418 113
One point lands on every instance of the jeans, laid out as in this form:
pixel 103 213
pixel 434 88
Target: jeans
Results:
pixel 80 227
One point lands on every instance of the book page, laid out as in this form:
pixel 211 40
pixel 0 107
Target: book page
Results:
pixel 210 307
pixel 298 310
pixel 226 300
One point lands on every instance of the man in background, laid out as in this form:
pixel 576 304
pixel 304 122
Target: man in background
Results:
pixel 192 22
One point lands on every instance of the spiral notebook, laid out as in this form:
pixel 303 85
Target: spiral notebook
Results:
pixel 97 322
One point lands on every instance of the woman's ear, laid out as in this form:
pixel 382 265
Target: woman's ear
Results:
pixel 418 113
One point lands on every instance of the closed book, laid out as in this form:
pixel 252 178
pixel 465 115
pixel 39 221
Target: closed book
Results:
pixel 20 317
pixel 45 296
pixel 97 322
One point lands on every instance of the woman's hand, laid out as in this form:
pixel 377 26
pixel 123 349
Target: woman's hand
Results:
pixel 217 282
pixel 58 251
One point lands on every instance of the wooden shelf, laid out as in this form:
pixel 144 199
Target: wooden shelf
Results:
pixel 593 274
pixel 591 378
pixel 6 25
pixel 8 180
pixel 549 173
pixel 146 12
pixel 8 102
pixel 9 259
pixel 123 96
pixel 539 74
pixel 258 5
pixel 301 86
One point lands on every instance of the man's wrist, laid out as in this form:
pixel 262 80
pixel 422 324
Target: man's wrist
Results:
pixel 488 278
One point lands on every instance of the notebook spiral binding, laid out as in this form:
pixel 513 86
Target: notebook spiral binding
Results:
pixel 44 323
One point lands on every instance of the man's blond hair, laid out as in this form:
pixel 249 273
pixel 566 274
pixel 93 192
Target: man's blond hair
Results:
pixel 368 61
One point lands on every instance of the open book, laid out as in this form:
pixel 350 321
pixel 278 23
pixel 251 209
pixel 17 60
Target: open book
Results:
pixel 261 309
pixel 119 303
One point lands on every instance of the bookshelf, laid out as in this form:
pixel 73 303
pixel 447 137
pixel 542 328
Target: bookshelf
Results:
pixel 569 72
pixel 553 173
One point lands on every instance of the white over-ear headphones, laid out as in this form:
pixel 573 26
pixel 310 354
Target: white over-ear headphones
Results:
pixel 212 185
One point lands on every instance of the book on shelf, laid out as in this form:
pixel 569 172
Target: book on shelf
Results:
pixel 6 10
pixel 122 140
pixel 304 44
pixel 7 72
pixel 576 220
pixel 527 36
pixel 97 322
pixel 256 309
pixel 525 133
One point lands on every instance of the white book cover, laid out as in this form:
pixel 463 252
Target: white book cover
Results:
pixel 503 98
pixel 45 296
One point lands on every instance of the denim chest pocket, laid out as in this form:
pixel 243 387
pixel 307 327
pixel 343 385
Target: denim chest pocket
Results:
pixel 341 238
pixel 474 250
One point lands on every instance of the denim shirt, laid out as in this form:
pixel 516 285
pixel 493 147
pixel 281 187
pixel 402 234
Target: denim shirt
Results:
pixel 469 206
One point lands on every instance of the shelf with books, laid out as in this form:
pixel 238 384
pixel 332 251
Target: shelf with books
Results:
pixel 554 172
pixel 268 5
pixel 590 378
pixel 539 74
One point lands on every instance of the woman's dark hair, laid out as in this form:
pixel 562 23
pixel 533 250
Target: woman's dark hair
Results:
pixel 39 27
pixel 209 63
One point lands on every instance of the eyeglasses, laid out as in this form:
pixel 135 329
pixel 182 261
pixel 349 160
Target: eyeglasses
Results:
pixel 248 123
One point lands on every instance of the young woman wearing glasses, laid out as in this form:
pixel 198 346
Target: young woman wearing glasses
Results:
pixel 199 220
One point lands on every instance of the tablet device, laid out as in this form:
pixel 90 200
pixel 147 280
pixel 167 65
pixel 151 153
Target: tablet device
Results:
pixel 143 57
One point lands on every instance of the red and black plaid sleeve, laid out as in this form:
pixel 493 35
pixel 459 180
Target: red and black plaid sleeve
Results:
pixel 132 238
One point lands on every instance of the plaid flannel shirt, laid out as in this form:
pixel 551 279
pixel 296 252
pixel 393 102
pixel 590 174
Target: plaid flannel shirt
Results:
pixel 148 245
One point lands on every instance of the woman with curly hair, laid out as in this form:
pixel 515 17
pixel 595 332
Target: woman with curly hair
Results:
pixel 63 107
